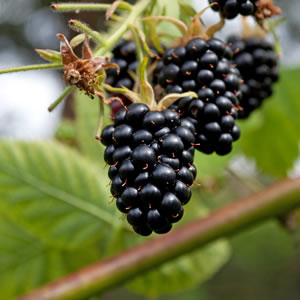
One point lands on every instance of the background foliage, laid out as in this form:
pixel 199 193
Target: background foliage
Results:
pixel 56 215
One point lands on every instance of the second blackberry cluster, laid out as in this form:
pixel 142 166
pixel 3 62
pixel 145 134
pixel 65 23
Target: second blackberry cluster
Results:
pixel 257 62
pixel 204 67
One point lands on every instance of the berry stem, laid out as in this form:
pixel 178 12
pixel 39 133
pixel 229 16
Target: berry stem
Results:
pixel 97 37
pixel 101 119
pixel 67 90
pixel 269 203
pixel 31 67
pixel 67 7
pixel 136 11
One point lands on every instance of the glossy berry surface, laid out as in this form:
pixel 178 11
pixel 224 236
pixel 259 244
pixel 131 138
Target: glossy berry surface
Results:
pixel 150 154
pixel 232 8
pixel 258 65
pixel 204 67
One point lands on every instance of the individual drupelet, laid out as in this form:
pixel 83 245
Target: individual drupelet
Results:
pixel 232 8
pixel 257 62
pixel 150 154
pixel 205 67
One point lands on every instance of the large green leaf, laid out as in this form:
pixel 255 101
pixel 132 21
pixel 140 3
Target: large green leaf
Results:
pixel 274 137
pixel 56 217
pixel 54 214
pixel 87 113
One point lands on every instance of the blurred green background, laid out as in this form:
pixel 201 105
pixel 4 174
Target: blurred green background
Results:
pixel 261 263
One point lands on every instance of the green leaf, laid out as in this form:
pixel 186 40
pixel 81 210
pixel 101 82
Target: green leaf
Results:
pixel 274 138
pixel 188 270
pixel 54 211
pixel 87 114
pixel 49 55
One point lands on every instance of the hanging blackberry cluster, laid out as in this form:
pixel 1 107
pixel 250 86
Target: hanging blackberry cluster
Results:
pixel 204 67
pixel 150 154
pixel 257 62
pixel 232 8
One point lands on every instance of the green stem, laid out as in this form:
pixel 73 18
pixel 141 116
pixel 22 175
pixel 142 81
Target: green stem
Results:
pixel 270 203
pixel 67 90
pixel 66 7
pixel 84 28
pixel 133 15
pixel 31 67
pixel 101 119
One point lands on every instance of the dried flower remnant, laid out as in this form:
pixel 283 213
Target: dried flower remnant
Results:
pixel 86 73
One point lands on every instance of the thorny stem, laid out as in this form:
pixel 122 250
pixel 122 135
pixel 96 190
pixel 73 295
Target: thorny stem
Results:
pixel 67 90
pixel 270 203
pixel 31 67
pixel 67 7
pixel 84 28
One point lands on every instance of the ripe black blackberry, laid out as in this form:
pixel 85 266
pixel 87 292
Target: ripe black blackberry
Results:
pixel 257 62
pixel 232 8
pixel 204 67
pixel 150 154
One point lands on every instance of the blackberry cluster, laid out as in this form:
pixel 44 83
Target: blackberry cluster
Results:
pixel 124 55
pixel 150 154
pixel 257 62
pixel 232 8
pixel 204 67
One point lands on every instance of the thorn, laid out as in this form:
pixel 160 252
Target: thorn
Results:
pixel 188 73
pixel 218 92
pixel 139 188
pixel 169 81
pixel 203 87
pixel 115 164
pixel 109 183
pixel 111 201
pixel 146 167
pixel 198 184
pixel 129 207
pixel 173 155
pixel 177 170
pixel 149 205
pixel 174 55
pixel 228 113
pixel 175 216
pixel 106 164
pixel 211 66
pixel 190 165
pixel 195 48
pixel 153 122
pixel 125 182
pixel 195 144
pixel 98 138
pixel 54 6
pixel 236 51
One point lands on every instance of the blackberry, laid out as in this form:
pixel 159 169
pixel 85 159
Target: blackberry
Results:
pixel 204 67
pixel 232 8
pixel 257 62
pixel 151 169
